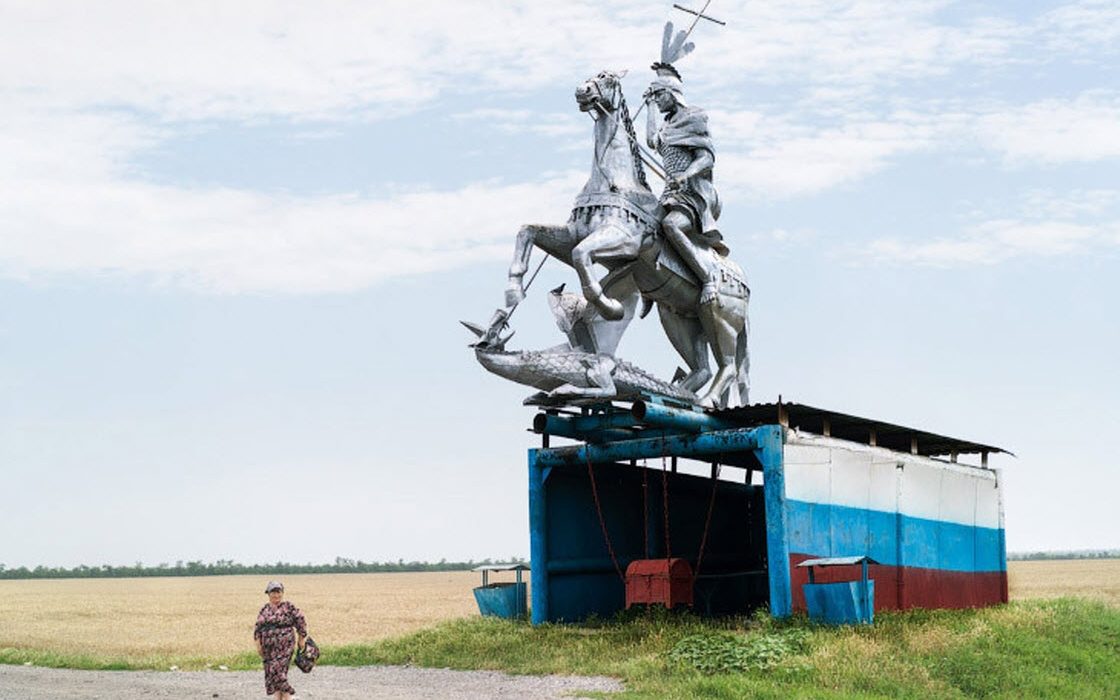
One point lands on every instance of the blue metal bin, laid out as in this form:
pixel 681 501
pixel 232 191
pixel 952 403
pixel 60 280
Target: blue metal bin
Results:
pixel 506 600
pixel 842 603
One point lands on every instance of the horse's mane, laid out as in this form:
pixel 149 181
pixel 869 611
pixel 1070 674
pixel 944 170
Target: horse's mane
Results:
pixel 628 124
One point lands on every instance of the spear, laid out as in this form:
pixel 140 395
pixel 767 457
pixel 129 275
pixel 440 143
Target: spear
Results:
pixel 699 16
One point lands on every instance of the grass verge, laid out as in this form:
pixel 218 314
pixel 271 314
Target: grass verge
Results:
pixel 15 656
pixel 1061 648
pixel 1064 648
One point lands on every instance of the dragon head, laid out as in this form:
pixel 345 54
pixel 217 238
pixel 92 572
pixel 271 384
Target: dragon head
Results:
pixel 491 339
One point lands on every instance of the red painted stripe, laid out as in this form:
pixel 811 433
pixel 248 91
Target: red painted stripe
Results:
pixel 901 587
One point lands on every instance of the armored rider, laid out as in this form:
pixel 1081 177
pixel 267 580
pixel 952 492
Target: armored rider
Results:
pixel 679 133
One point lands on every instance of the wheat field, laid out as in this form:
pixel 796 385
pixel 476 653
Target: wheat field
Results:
pixel 1098 579
pixel 212 617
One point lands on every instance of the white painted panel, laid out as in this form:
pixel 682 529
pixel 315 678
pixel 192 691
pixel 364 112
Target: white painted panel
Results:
pixel 804 451
pixel 988 504
pixel 807 482
pixel 884 486
pixel 851 478
pixel 829 470
pixel 921 490
pixel 958 498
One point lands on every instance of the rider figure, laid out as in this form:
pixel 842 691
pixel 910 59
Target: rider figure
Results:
pixel 690 201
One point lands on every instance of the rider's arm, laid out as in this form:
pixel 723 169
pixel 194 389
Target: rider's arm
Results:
pixel 702 160
pixel 651 125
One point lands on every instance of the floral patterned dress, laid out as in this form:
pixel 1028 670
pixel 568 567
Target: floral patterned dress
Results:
pixel 274 629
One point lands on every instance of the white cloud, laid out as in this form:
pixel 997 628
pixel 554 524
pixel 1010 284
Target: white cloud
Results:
pixel 244 60
pixel 1045 224
pixel 1086 128
pixel 524 121
pixel 1046 204
pixel 777 158
pixel 1083 27
pixel 803 153
pixel 250 59
pixel 236 241
pixel 1040 223
pixel 69 206
pixel 996 241
pixel 110 81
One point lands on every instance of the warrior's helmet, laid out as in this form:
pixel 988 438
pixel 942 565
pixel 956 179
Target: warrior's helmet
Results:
pixel 673 48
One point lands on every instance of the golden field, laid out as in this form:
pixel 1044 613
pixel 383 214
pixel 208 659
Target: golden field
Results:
pixel 1098 579
pixel 212 617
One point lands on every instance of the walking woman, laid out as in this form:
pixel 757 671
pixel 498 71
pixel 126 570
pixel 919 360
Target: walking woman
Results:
pixel 275 639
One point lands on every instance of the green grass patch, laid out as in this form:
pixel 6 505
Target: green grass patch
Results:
pixel 1062 648
pixel 722 652
pixel 15 656
pixel 1065 648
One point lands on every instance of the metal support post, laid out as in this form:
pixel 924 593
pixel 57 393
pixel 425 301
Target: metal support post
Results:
pixel 769 451
pixel 538 539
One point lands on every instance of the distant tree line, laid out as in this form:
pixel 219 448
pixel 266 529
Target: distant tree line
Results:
pixel 227 567
pixel 343 565
pixel 1074 554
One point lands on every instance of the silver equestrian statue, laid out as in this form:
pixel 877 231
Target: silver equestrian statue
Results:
pixel 617 221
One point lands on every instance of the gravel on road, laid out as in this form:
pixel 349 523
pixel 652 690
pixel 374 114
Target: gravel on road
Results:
pixel 325 683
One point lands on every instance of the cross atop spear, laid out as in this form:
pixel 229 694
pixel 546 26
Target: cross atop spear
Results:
pixel 673 49
pixel 699 16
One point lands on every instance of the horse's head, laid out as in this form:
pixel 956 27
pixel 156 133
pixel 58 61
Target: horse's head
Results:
pixel 602 92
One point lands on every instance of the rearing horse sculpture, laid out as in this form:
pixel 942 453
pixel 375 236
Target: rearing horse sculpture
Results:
pixel 616 222
pixel 612 211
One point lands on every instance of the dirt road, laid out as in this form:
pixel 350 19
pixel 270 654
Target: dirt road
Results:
pixel 326 683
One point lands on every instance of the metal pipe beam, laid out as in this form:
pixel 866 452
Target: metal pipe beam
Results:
pixel 688 446
pixel 671 418
pixel 585 428
pixel 604 421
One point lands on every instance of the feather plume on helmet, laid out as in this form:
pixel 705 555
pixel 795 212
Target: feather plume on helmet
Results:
pixel 673 48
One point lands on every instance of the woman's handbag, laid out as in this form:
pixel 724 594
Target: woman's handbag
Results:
pixel 307 656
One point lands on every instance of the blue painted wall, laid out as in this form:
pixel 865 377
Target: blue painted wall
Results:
pixel 571 561
pixel 821 529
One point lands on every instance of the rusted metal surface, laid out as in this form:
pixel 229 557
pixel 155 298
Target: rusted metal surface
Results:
pixel 665 582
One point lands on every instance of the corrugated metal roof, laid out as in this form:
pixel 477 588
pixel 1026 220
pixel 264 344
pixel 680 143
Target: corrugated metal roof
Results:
pixel 853 428
pixel 501 567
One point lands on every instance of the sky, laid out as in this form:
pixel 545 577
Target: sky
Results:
pixel 236 240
